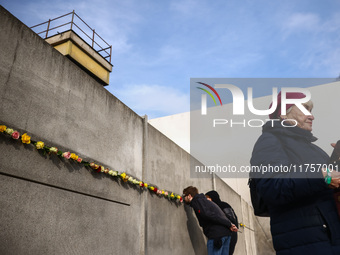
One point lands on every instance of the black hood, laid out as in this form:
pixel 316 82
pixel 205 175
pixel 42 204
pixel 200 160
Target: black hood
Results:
pixel 215 197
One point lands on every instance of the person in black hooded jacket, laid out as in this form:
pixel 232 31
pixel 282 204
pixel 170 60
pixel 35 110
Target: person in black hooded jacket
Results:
pixel 229 212
pixel 298 188
pixel 216 226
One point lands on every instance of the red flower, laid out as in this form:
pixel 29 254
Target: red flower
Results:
pixel 155 190
pixel 15 135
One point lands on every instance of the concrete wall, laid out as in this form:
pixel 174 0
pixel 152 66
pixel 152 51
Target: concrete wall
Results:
pixel 50 205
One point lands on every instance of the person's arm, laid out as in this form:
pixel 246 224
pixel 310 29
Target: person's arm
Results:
pixel 210 211
pixel 229 212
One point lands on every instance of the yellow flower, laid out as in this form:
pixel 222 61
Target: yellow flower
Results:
pixel 162 191
pixel 152 188
pixel 26 138
pixel 178 197
pixel 40 145
pixel 123 175
pixel 74 156
pixel 145 185
pixel 3 128
pixel 172 195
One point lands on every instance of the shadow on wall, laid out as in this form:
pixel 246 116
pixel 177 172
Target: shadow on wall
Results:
pixel 195 232
pixel 264 245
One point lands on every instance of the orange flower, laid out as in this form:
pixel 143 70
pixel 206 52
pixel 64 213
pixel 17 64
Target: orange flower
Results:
pixel 26 138
pixel 3 128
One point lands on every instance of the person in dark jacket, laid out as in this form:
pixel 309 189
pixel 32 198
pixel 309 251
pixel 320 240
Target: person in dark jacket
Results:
pixel 216 226
pixel 296 184
pixel 229 212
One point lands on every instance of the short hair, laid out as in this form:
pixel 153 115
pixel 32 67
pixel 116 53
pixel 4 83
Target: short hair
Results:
pixel 193 191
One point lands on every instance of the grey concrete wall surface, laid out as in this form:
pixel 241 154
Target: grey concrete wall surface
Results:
pixel 50 205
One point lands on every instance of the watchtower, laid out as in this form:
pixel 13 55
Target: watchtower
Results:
pixel 72 37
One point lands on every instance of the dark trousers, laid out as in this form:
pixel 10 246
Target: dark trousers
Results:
pixel 233 242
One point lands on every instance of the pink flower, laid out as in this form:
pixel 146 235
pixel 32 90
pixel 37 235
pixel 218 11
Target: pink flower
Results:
pixel 79 160
pixel 15 135
pixel 67 155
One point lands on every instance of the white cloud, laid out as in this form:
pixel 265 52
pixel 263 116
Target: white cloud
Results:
pixel 301 22
pixel 154 100
pixel 315 42
pixel 112 21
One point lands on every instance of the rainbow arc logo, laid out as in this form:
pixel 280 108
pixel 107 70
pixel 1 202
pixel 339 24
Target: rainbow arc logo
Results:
pixel 209 93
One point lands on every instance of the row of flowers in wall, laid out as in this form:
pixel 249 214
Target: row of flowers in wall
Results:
pixel 40 145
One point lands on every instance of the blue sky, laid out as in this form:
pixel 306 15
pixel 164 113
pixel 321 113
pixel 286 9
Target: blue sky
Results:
pixel 158 45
